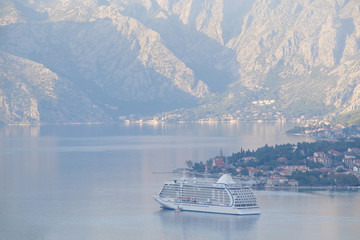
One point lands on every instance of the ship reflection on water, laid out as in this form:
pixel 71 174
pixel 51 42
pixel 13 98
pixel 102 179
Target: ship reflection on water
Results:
pixel 209 224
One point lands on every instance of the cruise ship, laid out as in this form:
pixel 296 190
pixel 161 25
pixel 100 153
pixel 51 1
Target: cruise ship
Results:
pixel 225 196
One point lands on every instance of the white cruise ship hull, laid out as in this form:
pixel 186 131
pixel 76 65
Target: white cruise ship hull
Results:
pixel 206 208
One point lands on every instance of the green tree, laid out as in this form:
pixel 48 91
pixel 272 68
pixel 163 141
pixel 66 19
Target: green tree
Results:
pixel 215 169
pixel 345 180
pixel 232 171
pixel 189 163
pixel 199 167
pixel 244 172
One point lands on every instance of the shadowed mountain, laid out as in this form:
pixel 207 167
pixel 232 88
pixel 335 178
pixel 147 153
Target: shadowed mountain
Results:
pixel 219 59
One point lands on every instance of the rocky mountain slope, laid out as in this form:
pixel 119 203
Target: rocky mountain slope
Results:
pixel 77 61
pixel 31 93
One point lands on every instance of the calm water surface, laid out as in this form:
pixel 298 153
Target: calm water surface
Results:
pixel 96 182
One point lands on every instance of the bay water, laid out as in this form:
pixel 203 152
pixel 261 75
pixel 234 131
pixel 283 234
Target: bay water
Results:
pixel 97 182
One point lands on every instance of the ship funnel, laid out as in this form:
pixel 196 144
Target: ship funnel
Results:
pixel 226 179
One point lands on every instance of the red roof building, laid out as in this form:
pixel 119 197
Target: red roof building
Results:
pixel 247 159
pixel 319 154
pixel 282 159
pixel 293 182
pixel 218 162
pixel 238 169
pixel 273 180
pixel 348 160
pixel 334 153
pixel 292 168
pixel 286 172
pixel 252 171
pixel 354 150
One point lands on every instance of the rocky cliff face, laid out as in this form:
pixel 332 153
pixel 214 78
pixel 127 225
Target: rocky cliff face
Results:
pixel 31 93
pixel 94 60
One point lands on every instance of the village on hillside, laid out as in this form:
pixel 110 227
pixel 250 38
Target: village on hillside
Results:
pixel 290 165
pixel 325 131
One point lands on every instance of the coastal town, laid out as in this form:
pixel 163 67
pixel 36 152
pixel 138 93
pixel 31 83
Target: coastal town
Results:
pixel 290 165
pixel 323 130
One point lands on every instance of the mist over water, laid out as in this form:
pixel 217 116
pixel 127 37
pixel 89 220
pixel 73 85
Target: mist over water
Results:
pixel 96 182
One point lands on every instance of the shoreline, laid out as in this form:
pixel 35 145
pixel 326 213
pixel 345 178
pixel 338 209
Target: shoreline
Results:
pixel 263 187
pixel 341 188
pixel 147 122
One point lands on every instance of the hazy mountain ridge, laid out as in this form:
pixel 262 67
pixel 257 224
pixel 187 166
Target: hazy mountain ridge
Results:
pixel 113 58
pixel 8 13
pixel 158 55
pixel 34 94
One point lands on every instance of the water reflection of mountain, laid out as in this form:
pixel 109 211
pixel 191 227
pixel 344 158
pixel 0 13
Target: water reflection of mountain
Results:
pixel 207 223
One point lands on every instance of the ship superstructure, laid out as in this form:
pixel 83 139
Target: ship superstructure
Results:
pixel 224 196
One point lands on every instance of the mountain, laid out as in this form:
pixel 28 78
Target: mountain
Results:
pixel 95 61
pixel 31 93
